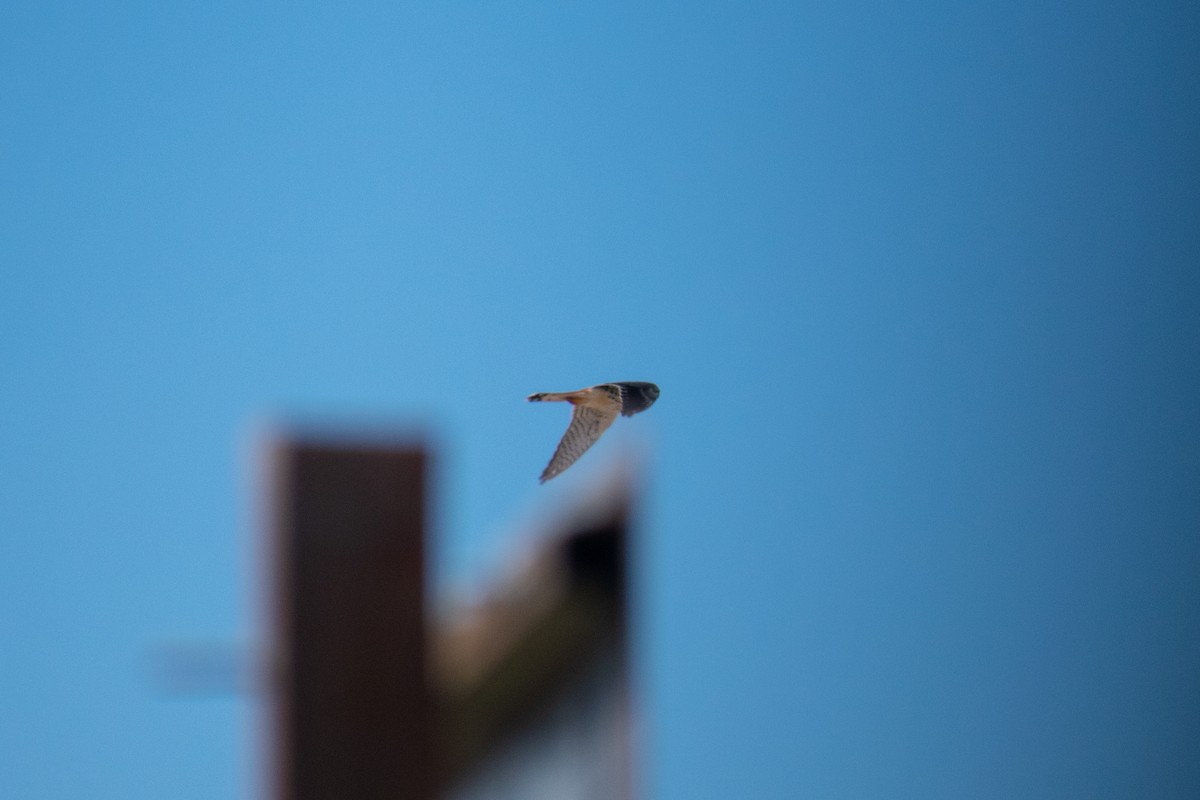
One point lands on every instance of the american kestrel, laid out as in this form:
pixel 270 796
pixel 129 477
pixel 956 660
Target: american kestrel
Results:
pixel 594 409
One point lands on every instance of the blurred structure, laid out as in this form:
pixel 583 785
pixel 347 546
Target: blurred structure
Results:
pixel 351 713
pixel 524 696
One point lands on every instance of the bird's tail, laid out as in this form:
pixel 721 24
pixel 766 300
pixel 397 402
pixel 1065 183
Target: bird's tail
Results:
pixel 544 397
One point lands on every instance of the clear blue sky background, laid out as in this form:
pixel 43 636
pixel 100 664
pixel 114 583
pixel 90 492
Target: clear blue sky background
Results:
pixel 920 284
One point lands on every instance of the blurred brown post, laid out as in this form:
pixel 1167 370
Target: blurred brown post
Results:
pixel 352 715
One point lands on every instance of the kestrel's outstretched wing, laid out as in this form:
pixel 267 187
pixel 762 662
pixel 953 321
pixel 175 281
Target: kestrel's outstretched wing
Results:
pixel 594 409
pixel 587 423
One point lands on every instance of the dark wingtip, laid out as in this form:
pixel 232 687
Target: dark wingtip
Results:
pixel 637 396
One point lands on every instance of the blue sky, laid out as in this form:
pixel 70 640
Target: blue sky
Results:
pixel 919 284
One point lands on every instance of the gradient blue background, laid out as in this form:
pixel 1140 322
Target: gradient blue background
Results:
pixel 920 285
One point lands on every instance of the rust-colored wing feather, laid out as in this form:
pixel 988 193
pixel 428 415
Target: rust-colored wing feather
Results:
pixel 587 423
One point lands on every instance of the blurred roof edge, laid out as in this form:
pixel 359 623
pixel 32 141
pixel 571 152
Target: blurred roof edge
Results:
pixel 499 662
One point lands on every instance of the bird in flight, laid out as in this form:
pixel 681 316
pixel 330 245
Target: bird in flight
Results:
pixel 593 410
